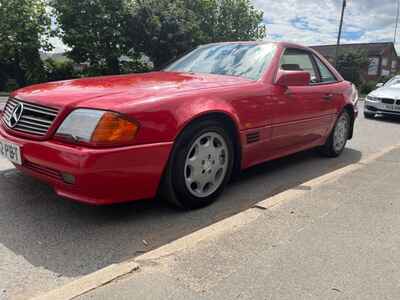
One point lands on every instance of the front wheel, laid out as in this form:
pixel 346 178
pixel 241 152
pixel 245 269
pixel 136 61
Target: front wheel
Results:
pixel 200 165
pixel 336 142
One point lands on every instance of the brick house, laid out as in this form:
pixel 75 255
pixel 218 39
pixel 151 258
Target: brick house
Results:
pixel 383 58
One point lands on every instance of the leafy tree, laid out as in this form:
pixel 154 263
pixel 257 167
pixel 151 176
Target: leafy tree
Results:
pixel 59 70
pixel 227 20
pixel 350 63
pixel 164 29
pixel 24 30
pixel 95 30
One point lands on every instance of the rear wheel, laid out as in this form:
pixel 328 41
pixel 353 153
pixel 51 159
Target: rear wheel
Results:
pixel 200 165
pixel 336 142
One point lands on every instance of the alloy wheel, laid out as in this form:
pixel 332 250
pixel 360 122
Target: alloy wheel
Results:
pixel 341 133
pixel 206 164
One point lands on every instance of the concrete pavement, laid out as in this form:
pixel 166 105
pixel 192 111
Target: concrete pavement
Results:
pixel 339 240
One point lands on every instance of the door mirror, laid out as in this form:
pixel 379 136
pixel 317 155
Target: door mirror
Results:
pixel 293 78
pixel 379 85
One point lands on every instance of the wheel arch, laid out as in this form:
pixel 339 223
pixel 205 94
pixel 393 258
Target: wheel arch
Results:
pixel 230 122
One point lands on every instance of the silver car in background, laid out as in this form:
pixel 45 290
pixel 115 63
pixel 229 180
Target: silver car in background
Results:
pixel 385 100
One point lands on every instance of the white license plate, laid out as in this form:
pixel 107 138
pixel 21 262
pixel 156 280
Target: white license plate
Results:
pixel 10 151
pixel 388 107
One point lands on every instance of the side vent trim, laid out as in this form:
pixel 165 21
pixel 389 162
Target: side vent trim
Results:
pixel 253 137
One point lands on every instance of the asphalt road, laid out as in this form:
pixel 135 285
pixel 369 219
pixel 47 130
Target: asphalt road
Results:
pixel 330 241
pixel 46 241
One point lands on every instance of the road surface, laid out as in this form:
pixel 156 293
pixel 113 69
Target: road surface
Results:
pixel 46 241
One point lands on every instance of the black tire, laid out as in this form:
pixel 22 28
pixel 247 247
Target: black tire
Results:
pixel 173 186
pixel 368 115
pixel 328 149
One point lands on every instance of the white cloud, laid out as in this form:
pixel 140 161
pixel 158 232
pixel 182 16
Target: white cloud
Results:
pixel 365 20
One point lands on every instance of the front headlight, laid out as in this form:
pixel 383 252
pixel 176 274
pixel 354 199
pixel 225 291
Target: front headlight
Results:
pixel 97 128
pixel 374 99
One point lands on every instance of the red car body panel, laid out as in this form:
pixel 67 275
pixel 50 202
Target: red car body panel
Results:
pixel 164 104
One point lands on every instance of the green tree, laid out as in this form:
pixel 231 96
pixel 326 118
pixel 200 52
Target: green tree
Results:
pixel 350 64
pixel 227 20
pixel 95 30
pixel 59 70
pixel 164 29
pixel 24 30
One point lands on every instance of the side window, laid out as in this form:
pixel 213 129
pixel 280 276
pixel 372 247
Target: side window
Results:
pixel 298 60
pixel 326 74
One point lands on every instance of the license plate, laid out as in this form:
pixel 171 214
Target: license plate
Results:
pixel 388 107
pixel 11 152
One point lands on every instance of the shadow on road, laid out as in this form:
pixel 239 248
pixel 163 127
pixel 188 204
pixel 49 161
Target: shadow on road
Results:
pixel 387 118
pixel 73 239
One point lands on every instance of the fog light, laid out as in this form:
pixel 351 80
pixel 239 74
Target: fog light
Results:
pixel 68 178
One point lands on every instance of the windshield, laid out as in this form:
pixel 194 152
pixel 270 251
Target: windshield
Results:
pixel 243 60
pixel 393 83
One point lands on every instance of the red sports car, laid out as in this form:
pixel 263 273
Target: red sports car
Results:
pixel 181 132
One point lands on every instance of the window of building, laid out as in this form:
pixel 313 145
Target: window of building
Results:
pixel 373 68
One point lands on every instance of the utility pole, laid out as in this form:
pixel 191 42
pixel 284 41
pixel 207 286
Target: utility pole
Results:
pixel 397 23
pixel 340 32
pixel 394 41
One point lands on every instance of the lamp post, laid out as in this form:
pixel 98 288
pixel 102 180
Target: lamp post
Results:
pixel 340 32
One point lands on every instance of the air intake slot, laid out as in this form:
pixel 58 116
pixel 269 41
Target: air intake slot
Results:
pixel 253 137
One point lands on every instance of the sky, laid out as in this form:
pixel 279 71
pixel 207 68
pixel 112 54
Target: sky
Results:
pixel 315 22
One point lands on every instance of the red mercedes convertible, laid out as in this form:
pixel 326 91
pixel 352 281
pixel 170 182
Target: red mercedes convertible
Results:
pixel 181 132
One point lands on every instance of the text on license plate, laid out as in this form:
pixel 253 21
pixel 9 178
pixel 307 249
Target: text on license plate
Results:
pixel 10 151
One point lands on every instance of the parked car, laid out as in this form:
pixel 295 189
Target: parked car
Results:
pixel 181 132
pixel 385 100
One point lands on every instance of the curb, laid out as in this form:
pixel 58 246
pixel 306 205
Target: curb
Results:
pixel 90 282
pixel 113 272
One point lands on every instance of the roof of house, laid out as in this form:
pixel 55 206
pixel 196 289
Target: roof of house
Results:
pixel 374 49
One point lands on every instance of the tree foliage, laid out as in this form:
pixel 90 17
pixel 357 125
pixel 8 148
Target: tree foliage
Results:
pixel 113 36
pixel 164 29
pixel 24 30
pixel 59 70
pixel 350 63
pixel 95 31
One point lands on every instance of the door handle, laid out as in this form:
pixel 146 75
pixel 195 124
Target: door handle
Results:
pixel 328 97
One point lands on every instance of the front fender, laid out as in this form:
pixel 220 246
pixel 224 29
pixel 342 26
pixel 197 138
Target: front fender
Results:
pixel 202 107
pixel 163 120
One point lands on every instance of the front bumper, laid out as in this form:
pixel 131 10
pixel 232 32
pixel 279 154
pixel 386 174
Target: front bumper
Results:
pixel 102 176
pixel 377 107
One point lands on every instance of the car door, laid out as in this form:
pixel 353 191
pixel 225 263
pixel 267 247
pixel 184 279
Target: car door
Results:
pixel 302 113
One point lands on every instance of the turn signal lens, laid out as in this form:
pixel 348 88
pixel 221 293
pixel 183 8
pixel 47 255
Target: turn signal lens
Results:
pixel 114 129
